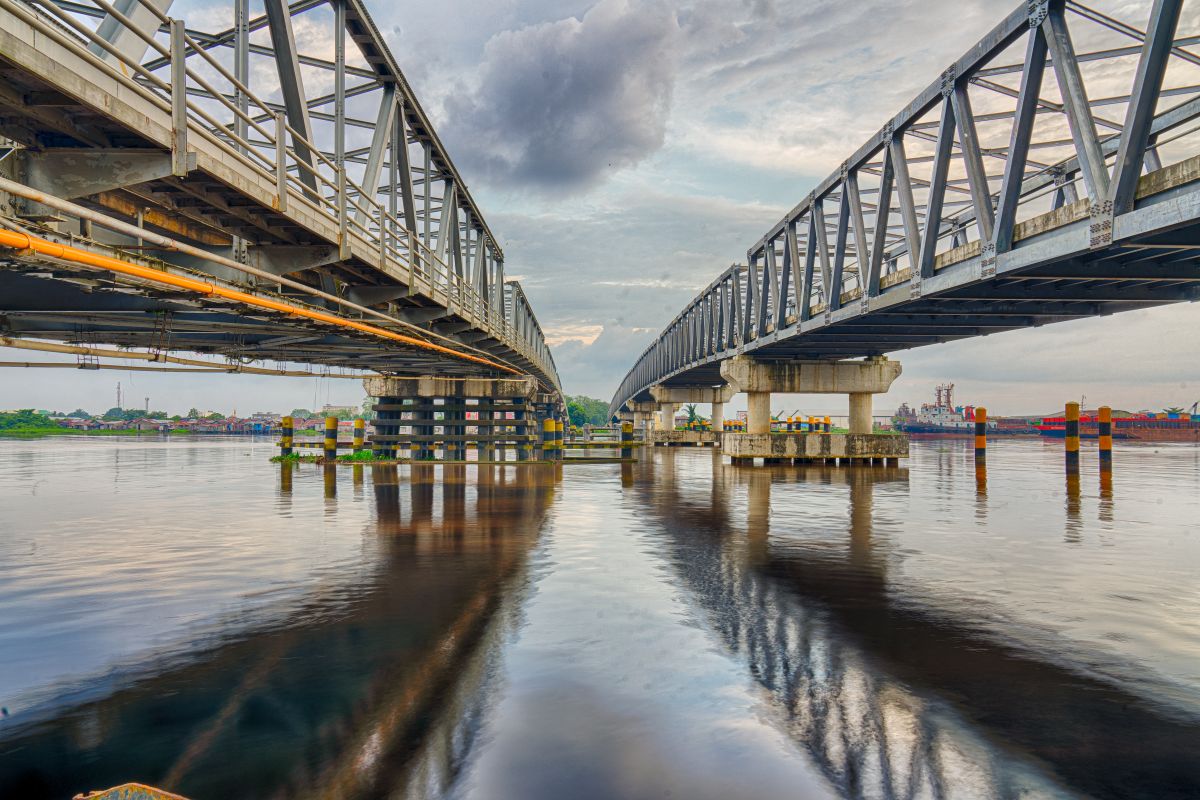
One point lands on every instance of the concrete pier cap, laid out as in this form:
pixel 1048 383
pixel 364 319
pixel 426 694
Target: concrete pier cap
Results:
pixel 437 386
pixel 692 394
pixel 749 374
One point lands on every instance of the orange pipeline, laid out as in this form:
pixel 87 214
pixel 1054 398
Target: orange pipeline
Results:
pixel 21 241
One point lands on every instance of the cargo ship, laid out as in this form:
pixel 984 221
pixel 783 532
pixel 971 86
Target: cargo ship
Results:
pixel 1146 427
pixel 942 417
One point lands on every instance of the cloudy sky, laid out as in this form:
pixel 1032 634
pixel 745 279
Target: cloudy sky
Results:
pixel 627 151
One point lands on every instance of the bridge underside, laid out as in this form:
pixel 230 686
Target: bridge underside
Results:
pixel 84 308
pixel 343 204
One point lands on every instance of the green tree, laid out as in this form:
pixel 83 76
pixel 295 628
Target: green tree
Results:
pixel 590 410
pixel 193 413
pixel 24 418
pixel 693 415
pixel 301 413
pixel 368 408
pixel 79 412
pixel 113 413
pixel 577 414
pixel 1174 410
pixel 214 416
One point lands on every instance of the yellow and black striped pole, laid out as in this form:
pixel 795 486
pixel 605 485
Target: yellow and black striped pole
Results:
pixel 826 426
pixel 360 430
pixel 980 435
pixel 331 433
pixel 559 430
pixel 548 439
pixel 1071 436
pixel 1104 431
pixel 626 440
pixel 285 436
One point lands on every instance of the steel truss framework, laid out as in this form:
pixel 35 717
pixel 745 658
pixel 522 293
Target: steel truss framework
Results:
pixel 250 142
pixel 1048 174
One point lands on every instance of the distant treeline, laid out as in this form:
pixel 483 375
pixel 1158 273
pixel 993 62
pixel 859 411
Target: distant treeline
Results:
pixel 583 410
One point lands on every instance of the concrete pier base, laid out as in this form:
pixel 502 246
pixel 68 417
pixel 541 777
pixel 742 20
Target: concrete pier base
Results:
pixel 803 447
pixel 683 438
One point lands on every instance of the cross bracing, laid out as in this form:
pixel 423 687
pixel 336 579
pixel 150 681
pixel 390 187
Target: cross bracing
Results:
pixel 286 136
pixel 1048 174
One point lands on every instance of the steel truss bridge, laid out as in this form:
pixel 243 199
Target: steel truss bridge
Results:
pixel 1050 173
pixel 234 191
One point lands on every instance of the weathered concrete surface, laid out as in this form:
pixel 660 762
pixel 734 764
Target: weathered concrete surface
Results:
pixel 814 445
pixel 683 438
pixel 758 412
pixel 748 374
pixel 434 386
pixel 693 394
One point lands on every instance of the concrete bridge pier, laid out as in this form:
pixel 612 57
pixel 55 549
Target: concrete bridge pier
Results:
pixel 670 398
pixel 759 379
pixel 411 410
pixel 643 418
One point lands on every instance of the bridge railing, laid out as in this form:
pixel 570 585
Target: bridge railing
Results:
pixel 206 99
pixel 1016 138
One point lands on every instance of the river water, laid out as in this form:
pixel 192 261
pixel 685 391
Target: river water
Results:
pixel 186 614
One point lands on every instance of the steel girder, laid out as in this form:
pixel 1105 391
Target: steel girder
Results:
pixel 972 200
pixel 271 145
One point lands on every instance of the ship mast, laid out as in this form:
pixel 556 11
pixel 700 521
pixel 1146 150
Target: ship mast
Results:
pixel 945 396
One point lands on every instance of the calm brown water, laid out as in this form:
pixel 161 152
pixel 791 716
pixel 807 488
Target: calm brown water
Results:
pixel 186 614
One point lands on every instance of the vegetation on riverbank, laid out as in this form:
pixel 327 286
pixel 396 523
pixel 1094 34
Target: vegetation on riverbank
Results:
pixel 361 457
pixel 583 410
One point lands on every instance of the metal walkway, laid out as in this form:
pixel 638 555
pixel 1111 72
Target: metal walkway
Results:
pixel 235 191
pixel 1051 173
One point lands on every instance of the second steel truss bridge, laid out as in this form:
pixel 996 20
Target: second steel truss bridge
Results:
pixel 1050 173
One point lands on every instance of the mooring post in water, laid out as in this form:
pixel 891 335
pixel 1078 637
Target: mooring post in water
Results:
pixel 826 426
pixel 559 438
pixel 360 431
pixel 1071 431
pixel 1104 431
pixel 547 439
pixel 331 433
pixel 285 436
pixel 626 440
pixel 980 436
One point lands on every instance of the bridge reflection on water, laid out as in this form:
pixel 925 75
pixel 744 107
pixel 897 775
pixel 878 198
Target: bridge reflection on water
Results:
pixel 889 700
pixel 345 698
pixel 396 686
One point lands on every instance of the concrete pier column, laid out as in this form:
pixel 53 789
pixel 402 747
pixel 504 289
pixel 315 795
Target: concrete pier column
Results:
pixel 718 416
pixel 666 416
pixel 860 412
pixel 758 416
